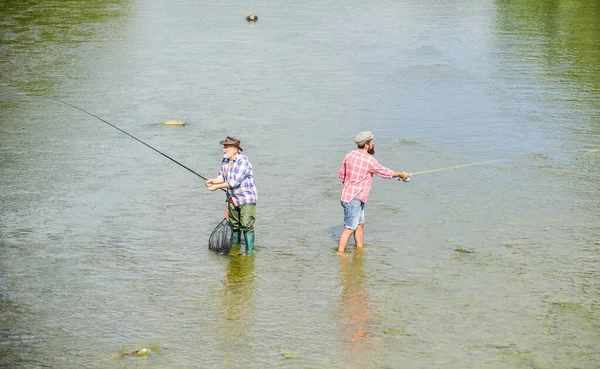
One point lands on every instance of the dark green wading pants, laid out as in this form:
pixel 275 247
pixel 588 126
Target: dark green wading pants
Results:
pixel 242 220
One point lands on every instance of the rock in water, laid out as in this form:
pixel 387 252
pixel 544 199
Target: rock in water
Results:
pixel 142 352
pixel 137 353
pixel 174 122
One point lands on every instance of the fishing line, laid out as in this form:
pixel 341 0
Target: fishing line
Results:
pixel 135 138
pixel 448 168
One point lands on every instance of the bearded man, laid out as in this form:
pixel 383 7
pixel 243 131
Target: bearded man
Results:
pixel 237 178
pixel 356 174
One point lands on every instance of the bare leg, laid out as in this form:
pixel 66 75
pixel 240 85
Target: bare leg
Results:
pixel 344 237
pixel 359 236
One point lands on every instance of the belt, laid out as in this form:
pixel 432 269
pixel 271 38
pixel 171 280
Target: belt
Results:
pixel 234 205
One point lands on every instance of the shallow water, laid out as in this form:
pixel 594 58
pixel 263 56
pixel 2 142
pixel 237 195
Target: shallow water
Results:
pixel 103 241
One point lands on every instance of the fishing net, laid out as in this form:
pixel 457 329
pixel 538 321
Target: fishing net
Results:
pixel 221 238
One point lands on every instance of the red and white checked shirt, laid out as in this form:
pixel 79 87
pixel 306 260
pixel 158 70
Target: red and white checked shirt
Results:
pixel 356 173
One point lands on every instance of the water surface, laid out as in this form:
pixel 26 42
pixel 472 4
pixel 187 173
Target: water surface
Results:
pixel 103 241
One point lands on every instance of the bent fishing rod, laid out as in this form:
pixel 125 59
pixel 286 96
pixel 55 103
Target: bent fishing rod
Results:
pixel 407 179
pixel 135 138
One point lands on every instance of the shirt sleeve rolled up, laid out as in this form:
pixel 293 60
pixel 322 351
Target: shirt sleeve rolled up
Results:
pixel 380 170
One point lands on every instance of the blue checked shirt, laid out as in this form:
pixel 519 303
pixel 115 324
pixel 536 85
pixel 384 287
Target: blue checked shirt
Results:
pixel 241 179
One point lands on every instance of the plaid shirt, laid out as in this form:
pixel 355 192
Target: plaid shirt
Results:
pixel 356 173
pixel 241 179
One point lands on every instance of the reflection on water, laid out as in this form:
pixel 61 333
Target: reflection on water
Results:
pixel 354 313
pixel 236 305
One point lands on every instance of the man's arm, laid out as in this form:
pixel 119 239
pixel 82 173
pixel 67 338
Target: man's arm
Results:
pixel 217 186
pixel 213 181
pixel 342 172
pixel 402 175
pixel 384 172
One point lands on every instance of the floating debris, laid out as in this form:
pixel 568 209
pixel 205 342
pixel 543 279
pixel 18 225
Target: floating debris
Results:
pixel 252 18
pixel 174 122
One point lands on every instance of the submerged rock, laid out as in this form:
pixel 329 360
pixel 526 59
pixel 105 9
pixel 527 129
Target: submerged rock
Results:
pixel 137 353
pixel 463 250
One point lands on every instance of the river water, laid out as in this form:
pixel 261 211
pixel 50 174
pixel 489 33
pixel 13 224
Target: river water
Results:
pixel 103 242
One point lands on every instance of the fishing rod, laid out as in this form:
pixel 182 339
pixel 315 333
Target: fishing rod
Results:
pixel 407 179
pixel 135 138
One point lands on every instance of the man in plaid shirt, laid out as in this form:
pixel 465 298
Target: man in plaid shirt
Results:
pixel 237 178
pixel 356 174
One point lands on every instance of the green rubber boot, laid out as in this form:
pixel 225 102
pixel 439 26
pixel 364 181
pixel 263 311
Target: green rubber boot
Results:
pixel 249 237
pixel 236 237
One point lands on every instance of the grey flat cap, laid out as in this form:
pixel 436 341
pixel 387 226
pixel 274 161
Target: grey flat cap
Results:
pixel 363 137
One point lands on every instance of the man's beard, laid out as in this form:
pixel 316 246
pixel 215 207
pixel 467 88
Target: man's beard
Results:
pixel 371 150
pixel 227 156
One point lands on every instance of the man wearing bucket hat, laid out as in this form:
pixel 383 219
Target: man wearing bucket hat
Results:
pixel 237 178
pixel 356 174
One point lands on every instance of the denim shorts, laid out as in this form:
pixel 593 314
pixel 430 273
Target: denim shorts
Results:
pixel 354 213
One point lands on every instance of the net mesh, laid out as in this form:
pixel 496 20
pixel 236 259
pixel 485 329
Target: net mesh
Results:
pixel 221 238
